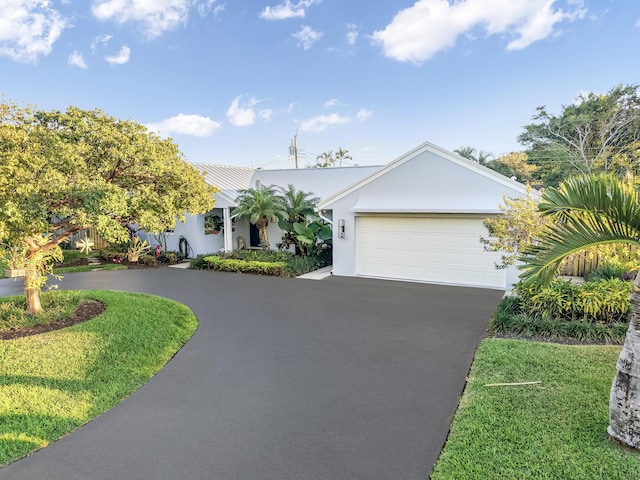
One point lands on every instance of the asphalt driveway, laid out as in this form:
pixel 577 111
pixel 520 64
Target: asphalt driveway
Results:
pixel 344 378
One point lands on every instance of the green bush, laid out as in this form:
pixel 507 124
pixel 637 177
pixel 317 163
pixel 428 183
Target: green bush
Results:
pixel 244 266
pixel 606 301
pixel 71 256
pixel 606 271
pixel 259 255
pixel 198 263
pixel 147 259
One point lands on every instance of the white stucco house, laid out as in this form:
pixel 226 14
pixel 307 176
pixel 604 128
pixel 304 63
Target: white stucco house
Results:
pixel 418 218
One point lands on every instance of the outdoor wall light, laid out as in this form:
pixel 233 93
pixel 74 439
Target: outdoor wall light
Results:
pixel 341 228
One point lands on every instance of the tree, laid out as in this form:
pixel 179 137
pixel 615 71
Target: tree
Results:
pixel 514 164
pixel 513 231
pixel 596 133
pixel 596 210
pixel 260 205
pixel 61 172
pixel 479 156
pixel 299 206
pixel 330 159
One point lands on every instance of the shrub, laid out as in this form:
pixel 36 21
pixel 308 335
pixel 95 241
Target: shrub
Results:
pixel 604 301
pixel 243 266
pixel 147 259
pixel 198 262
pixel 606 271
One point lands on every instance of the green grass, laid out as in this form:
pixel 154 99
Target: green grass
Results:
pixel 89 268
pixel 50 384
pixel 553 430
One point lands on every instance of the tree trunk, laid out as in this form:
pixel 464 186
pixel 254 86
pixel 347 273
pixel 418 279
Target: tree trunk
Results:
pixel 32 294
pixel 262 230
pixel 624 401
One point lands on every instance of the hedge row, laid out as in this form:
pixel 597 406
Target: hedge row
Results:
pixel 214 262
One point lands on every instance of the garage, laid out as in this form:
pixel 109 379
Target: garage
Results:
pixel 420 219
pixel 426 248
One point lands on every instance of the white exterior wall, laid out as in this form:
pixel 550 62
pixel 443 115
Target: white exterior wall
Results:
pixel 426 183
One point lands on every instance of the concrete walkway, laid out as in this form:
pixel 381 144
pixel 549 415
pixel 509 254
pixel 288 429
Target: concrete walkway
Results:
pixel 343 378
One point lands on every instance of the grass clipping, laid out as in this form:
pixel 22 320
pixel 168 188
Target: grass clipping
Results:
pixel 51 384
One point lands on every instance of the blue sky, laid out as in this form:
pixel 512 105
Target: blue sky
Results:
pixel 233 81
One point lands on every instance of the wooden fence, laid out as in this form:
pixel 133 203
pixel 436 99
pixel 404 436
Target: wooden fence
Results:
pixel 90 233
pixel 577 264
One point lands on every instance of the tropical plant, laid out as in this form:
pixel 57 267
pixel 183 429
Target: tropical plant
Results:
pixel 260 205
pixel 299 206
pixel 137 248
pixel 593 210
pixel 313 237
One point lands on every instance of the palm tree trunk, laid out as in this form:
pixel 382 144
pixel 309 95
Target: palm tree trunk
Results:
pixel 262 230
pixel 624 401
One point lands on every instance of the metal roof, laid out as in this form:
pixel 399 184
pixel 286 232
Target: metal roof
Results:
pixel 322 182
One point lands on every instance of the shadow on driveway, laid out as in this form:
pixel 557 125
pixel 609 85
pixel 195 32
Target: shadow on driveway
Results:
pixel 342 378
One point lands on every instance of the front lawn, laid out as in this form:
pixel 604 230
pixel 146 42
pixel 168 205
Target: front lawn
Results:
pixel 52 383
pixel 554 429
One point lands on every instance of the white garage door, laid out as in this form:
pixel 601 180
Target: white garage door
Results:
pixel 440 249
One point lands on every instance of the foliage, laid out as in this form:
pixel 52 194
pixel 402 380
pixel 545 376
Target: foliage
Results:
pixel 72 256
pixel 514 164
pixel 605 271
pixel 59 305
pixel 299 206
pixel 313 237
pixel 331 159
pixel 606 301
pixel 37 264
pixel 260 205
pixel 244 266
pixel 596 133
pixel 136 248
pixel 592 210
pixel 64 171
pixel 515 229
pixel 548 431
pixel 213 224
pixel 478 156
pixel 52 383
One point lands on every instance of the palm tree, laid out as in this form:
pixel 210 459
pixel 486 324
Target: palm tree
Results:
pixel 595 210
pixel 298 204
pixel 260 205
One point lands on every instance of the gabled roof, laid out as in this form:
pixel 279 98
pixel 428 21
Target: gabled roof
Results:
pixel 322 182
pixel 425 147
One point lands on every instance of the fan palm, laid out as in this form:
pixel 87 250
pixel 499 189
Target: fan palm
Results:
pixel 590 211
pixel 260 205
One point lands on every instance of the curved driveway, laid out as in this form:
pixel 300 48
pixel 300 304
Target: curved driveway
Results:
pixel 343 378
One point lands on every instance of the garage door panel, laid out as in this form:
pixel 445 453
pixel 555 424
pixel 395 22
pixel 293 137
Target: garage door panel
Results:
pixel 432 249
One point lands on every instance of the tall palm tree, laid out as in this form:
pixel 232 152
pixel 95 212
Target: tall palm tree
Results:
pixel 260 205
pixel 299 204
pixel 595 210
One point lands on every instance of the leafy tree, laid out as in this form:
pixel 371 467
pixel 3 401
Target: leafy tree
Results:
pixel 514 164
pixel 596 133
pixel 515 229
pixel 596 210
pixel 61 172
pixel 261 205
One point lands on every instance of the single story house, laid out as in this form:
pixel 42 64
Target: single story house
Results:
pixel 418 218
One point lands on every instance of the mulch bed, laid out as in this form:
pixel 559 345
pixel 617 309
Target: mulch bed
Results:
pixel 85 311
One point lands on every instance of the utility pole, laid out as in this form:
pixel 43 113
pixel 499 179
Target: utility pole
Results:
pixel 293 148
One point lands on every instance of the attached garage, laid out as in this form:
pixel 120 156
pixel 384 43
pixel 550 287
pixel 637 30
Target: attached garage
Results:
pixel 420 218
pixel 436 249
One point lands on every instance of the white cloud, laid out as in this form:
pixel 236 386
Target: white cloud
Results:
pixel 307 36
pixel 241 116
pixel 429 26
pixel 322 122
pixel 363 114
pixel 100 40
pixel 29 28
pixel 119 58
pixel 156 16
pixel 182 124
pixel 77 60
pixel 287 10
pixel 352 34
pixel 265 114
pixel 331 102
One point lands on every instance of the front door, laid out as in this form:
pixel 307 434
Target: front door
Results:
pixel 254 236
